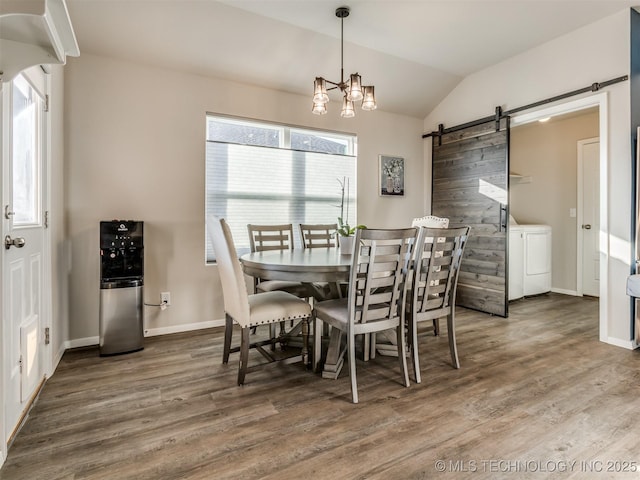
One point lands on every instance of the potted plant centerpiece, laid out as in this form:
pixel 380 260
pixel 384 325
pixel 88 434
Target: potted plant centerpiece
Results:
pixel 345 231
pixel 347 238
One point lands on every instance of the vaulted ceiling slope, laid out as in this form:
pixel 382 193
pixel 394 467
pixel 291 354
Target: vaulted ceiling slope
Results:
pixel 414 52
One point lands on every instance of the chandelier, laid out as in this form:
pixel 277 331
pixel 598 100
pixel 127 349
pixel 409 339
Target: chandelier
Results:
pixel 353 90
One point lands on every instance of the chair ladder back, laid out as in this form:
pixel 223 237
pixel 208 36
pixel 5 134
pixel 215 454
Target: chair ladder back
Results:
pixel 318 235
pixel 437 267
pixel 270 237
pixel 378 274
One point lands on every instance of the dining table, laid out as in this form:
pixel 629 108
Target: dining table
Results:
pixel 309 265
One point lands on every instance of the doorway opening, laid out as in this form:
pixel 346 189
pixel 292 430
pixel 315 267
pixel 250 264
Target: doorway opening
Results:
pixel 596 106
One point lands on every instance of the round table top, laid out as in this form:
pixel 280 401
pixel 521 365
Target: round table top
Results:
pixel 305 265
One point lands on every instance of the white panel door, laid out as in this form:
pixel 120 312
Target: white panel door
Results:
pixel 589 204
pixel 24 141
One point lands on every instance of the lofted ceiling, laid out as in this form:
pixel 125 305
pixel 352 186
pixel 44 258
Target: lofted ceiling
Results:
pixel 414 52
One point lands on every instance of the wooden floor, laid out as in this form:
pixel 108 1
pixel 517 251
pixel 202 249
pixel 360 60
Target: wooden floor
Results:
pixel 538 396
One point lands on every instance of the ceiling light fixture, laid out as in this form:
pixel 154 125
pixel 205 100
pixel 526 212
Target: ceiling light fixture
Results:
pixel 353 89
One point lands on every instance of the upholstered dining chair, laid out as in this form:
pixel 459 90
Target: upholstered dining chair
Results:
pixel 377 294
pixel 250 310
pixel 430 221
pixel 438 254
pixel 318 235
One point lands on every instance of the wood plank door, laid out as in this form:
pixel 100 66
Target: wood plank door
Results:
pixel 470 186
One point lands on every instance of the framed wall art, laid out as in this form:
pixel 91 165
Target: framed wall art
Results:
pixel 391 175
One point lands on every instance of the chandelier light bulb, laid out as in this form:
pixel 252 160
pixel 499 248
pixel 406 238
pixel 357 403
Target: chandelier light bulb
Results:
pixel 319 108
pixel 369 98
pixel 347 108
pixel 320 91
pixel 354 93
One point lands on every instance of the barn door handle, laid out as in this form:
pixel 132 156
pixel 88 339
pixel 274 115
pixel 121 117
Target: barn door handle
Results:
pixel 17 242
pixel 503 218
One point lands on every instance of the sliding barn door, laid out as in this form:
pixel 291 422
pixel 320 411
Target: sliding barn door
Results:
pixel 470 178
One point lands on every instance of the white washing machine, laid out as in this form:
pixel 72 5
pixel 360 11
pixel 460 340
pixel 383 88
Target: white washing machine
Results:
pixel 529 260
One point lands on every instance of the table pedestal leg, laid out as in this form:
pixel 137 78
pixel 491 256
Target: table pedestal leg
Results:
pixel 335 355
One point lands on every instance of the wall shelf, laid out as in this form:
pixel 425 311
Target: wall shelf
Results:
pixel 37 32
pixel 515 179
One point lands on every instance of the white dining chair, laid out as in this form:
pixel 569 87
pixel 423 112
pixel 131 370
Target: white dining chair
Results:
pixel 430 221
pixel 251 310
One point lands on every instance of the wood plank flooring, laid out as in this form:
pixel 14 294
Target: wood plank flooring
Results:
pixel 536 392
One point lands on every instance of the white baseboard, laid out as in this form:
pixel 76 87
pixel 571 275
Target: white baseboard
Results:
pixel 152 332
pixel 565 292
pixel 58 357
pixel 82 342
pixel 628 344
pixel 148 332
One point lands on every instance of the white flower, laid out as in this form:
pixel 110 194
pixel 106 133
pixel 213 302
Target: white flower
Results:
pixel 393 168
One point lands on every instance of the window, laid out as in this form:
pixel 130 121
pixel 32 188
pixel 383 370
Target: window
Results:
pixel 269 173
pixel 27 138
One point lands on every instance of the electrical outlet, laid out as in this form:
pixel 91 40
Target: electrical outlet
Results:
pixel 165 297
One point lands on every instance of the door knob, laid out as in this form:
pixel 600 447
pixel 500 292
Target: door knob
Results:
pixel 586 227
pixel 17 242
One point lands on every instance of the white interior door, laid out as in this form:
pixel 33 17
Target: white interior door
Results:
pixel 24 168
pixel 589 220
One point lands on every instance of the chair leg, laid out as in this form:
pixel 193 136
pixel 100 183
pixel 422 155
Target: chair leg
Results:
pixel 318 327
pixel 402 353
pixel 366 346
pixel 413 333
pixel 228 332
pixel 372 347
pixel 244 355
pixel 436 326
pixel 272 335
pixel 305 342
pixel 351 352
pixel 451 332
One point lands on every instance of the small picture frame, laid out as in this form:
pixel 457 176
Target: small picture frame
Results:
pixel 391 176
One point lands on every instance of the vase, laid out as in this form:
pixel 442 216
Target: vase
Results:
pixel 396 185
pixel 346 245
pixel 389 185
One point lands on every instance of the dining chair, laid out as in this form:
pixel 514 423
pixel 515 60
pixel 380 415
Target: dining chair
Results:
pixel 318 235
pixel 251 310
pixel 430 221
pixel 264 238
pixel 275 237
pixel 377 294
pixel 438 254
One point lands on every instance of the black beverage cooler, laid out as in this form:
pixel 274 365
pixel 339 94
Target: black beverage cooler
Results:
pixel 121 286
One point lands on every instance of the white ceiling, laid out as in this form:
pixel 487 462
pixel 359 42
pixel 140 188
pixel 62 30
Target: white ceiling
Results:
pixel 413 51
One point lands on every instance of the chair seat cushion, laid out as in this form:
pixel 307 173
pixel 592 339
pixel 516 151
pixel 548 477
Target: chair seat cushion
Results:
pixel 333 312
pixel 272 307
pixel 295 288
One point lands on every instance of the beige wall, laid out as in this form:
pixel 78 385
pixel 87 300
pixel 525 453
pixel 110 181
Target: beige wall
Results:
pixel 595 53
pixel 547 153
pixel 135 143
